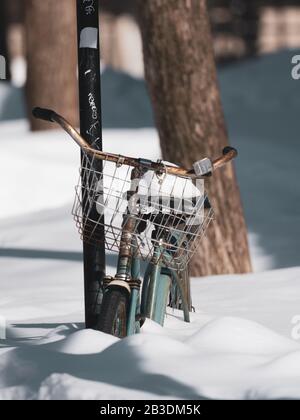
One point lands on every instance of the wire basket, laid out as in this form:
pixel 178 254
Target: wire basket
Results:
pixel 168 214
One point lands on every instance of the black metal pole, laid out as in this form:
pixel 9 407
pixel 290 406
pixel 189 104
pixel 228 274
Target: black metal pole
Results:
pixel 91 130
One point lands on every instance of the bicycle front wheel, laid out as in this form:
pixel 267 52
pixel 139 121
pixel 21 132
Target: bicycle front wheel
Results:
pixel 114 312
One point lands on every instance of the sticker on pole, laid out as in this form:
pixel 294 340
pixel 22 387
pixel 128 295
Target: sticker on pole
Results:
pixel 89 38
pixel 2 68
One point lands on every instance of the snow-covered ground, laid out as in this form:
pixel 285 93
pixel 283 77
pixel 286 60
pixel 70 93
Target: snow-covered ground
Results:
pixel 244 339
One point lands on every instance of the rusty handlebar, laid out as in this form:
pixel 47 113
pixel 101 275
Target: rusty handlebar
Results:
pixel 229 153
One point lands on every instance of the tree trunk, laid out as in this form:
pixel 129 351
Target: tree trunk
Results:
pixel 15 11
pixel 52 61
pixel 181 75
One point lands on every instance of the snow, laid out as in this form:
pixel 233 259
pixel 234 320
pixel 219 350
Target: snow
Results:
pixel 243 340
pixel 222 358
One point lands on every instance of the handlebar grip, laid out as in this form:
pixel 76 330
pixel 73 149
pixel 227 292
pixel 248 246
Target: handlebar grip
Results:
pixel 229 153
pixel 229 149
pixel 44 114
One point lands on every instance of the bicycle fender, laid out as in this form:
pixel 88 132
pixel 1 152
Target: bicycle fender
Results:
pixel 120 283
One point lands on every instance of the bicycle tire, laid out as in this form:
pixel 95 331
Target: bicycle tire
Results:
pixel 114 312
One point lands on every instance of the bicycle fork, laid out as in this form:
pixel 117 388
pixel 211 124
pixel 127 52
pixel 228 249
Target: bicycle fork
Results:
pixel 128 268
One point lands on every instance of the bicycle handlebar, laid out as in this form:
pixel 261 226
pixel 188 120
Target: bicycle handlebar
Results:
pixel 229 153
pixel 44 114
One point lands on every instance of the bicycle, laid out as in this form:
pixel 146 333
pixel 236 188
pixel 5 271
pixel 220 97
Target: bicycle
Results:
pixel 148 211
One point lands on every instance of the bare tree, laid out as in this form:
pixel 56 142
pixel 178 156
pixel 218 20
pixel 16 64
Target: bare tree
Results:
pixel 181 75
pixel 51 53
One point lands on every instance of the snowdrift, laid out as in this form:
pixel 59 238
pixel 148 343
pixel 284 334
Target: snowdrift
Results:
pixel 227 358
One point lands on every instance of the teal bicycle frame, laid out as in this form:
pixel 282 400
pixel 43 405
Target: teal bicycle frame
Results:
pixel 149 298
